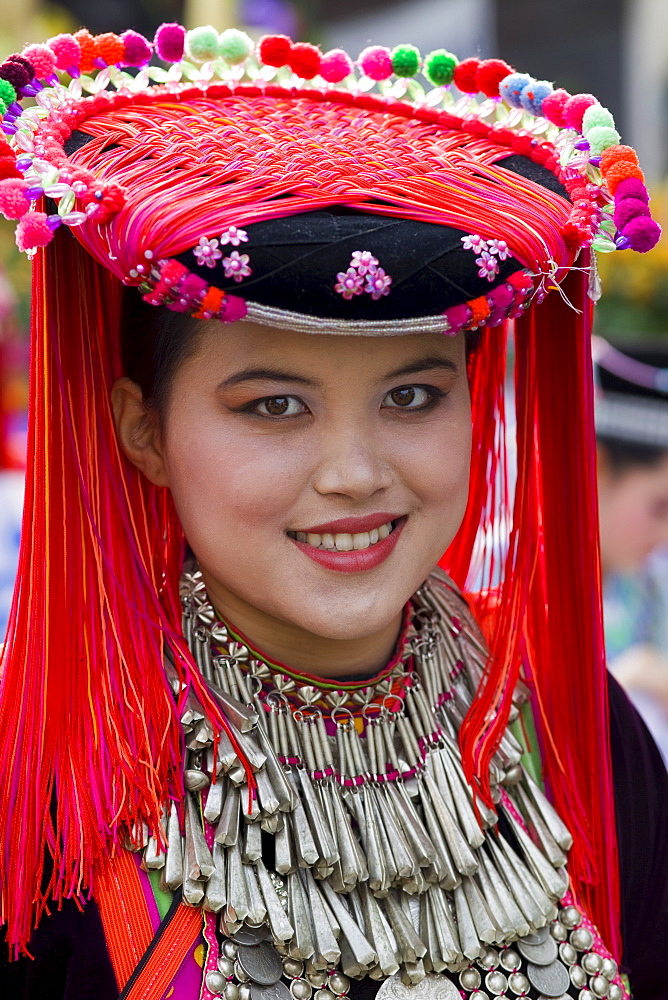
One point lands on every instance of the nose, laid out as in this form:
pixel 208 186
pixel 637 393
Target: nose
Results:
pixel 351 462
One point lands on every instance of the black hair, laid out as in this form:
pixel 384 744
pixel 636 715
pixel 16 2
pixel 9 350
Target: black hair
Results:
pixel 626 455
pixel 155 341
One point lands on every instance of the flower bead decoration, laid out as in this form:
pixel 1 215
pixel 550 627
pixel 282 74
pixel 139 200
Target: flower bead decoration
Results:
pixel 378 283
pixel 488 265
pixel 473 242
pixel 499 248
pixel 364 262
pixel 233 236
pixel 363 275
pixel 490 251
pixel 207 253
pixel 349 283
pixel 237 266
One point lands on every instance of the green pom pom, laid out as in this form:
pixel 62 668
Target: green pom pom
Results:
pixel 7 92
pixel 601 137
pixel 405 60
pixel 596 116
pixel 202 44
pixel 439 67
pixel 235 46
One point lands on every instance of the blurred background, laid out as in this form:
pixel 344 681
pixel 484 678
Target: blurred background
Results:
pixel 616 49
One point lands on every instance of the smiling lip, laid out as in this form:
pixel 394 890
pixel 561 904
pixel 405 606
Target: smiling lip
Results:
pixel 356 561
pixel 352 525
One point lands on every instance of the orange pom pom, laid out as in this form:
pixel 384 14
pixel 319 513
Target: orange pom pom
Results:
pixel 110 48
pixel 480 310
pixel 621 171
pixel 89 51
pixel 211 303
pixel 617 154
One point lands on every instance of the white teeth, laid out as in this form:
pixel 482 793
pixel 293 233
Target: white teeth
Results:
pixel 344 542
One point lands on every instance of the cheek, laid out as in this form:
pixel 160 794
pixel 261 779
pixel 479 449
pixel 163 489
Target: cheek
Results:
pixel 222 478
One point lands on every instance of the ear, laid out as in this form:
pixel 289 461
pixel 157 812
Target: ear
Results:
pixel 138 430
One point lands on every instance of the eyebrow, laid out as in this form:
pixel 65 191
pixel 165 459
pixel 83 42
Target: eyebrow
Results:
pixel 265 374
pixel 427 363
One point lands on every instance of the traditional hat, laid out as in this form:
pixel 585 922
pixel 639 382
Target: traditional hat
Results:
pixel 631 394
pixel 298 189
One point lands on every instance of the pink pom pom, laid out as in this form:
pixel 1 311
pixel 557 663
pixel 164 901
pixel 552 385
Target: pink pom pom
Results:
pixel 137 48
pixel 457 317
pixel 376 62
pixel 632 188
pixel 642 233
pixel 42 59
pixel 553 107
pixel 13 203
pixel 67 51
pixel 33 231
pixel 575 108
pixel 627 209
pixel 235 308
pixel 335 66
pixel 169 42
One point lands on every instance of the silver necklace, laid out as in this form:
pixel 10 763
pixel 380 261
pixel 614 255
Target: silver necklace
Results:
pixel 380 865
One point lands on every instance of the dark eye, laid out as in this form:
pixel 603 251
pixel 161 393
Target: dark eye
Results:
pixel 409 397
pixel 279 406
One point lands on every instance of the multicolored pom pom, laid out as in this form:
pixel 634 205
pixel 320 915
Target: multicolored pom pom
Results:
pixel 66 50
pixel 439 67
pixel 465 75
pixel 275 50
pixel 33 231
pixel 511 88
pixel 574 110
pixel 490 74
pixel 642 233
pixel 235 46
pixel 376 62
pixel 335 66
pixel 137 49
pixel 13 201
pixel 170 42
pixel 405 60
pixel 201 44
pixel 42 58
pixel 533 95
pixel 304 60
pixel 602 137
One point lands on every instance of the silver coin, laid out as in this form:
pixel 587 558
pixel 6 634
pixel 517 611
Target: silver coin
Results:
pixel 261 963
pixel 432 987
pixel 249 935
pixel 550 980
pixel 276 991
pixel 536 938
pixel 540 954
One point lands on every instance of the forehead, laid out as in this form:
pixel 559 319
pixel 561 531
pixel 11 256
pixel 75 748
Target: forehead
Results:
pixel 238 345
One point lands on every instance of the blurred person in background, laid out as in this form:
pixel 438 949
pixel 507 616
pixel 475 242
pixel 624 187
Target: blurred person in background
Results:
pixel 632 445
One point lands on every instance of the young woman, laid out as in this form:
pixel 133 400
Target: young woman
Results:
pixel 255 743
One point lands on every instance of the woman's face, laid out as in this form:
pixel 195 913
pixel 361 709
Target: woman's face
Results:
pixel 633 513
pixel 318 479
